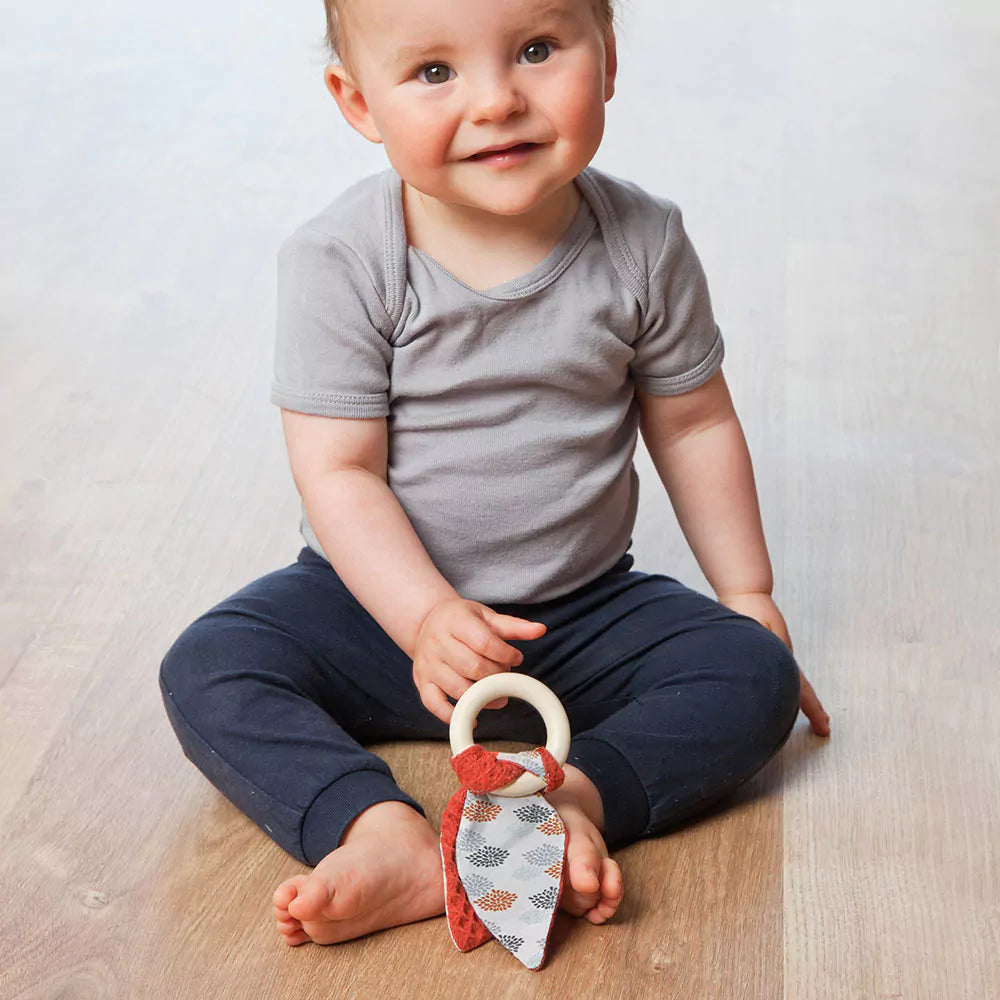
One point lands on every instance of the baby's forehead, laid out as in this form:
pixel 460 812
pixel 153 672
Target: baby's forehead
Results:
pixel 446 10
pixel 392 23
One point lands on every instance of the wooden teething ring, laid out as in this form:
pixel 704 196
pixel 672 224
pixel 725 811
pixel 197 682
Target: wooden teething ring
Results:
pixel 525 688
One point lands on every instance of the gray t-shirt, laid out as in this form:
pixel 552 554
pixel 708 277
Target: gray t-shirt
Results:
pixel 512 419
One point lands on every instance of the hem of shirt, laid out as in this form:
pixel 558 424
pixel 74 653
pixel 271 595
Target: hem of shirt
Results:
pixel 674 385
pixel 329 404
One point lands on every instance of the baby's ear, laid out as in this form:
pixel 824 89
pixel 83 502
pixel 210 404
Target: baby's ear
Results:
pixel 610 64
pixel 350 100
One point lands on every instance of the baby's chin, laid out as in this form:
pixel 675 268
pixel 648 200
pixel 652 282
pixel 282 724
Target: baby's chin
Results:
pixel 507 196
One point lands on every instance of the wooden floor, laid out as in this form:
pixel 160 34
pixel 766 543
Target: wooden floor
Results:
pixel 839 169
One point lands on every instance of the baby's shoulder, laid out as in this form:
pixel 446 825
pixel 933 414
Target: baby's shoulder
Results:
pixel 354 219
pixel 643 218
pixel 348 246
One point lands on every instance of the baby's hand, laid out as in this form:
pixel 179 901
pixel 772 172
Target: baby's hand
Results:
pixel 761 607
pixel 460 642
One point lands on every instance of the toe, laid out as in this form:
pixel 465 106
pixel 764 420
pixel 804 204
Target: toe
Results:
pixel 583 873
pixel 313 895
pixel 598 915
pixel 612 884
pixel 603 911
pixel 287 891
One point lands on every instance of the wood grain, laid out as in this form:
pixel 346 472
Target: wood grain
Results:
pixel 839 171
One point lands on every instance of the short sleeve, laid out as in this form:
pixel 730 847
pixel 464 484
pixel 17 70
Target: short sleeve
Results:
pixel 680 346
pixel 332 355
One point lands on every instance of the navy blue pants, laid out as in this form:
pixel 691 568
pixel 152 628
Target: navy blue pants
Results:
pixel 673 700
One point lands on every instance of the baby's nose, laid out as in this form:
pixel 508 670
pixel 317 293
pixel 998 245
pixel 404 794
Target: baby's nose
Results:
pixel 495 100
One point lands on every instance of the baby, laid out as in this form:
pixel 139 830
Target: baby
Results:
pixel 468 344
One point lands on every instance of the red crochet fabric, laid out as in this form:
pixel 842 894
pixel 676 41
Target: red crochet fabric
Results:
pixel 479 771
pixel 467 930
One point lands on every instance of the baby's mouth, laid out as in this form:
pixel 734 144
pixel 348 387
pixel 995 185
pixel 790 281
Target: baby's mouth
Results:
pixel 521 146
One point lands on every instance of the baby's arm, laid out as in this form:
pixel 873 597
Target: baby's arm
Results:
pixel 697 445
pixel 339 468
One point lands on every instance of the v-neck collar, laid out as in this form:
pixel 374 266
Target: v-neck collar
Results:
pixel 546 271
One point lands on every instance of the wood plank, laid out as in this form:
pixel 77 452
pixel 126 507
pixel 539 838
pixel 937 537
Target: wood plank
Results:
pixel 838 170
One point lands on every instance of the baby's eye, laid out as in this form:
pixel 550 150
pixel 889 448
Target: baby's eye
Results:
pixel 537 52
pixel 435 73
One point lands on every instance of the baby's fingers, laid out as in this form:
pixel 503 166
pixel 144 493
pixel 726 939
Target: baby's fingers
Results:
pixel 490 653
pixel 434 700
pixel 813 709
pixel 448 683
pixel 511 627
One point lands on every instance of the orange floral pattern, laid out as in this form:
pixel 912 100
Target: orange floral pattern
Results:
pixel 553 826
pixel 479 811
pixel 497 899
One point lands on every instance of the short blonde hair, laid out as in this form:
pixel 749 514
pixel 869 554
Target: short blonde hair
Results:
pixel 336 40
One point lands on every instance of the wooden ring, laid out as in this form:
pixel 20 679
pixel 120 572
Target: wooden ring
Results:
pixel 524 688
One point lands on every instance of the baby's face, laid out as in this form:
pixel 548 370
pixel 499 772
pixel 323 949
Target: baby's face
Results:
pixel 439 81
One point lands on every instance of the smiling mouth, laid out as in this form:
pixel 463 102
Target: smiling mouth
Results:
pixel 520 147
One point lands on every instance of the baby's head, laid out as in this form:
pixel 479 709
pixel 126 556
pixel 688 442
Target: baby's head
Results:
pixel 439 81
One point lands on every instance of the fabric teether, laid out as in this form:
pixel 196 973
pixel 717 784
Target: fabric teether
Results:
pixel 503 847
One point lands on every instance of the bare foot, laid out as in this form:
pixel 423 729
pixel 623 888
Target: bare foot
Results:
pixel 594 886
pixel 387 871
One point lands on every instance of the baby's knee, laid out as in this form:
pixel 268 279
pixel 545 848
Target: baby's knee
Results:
pixel 187 669
pixel 773 676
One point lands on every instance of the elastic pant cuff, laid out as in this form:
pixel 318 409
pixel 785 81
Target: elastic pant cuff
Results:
pixel 626 804
pixel 335 808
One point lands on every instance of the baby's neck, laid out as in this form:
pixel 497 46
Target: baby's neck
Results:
pixel 485 250
pixel 431 223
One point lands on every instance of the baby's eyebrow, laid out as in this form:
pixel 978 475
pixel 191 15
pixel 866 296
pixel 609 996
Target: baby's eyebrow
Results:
pixel 408 53
pixel 553 13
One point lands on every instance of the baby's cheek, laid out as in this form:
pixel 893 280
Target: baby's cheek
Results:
pixel 419 137
pixel 581 110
